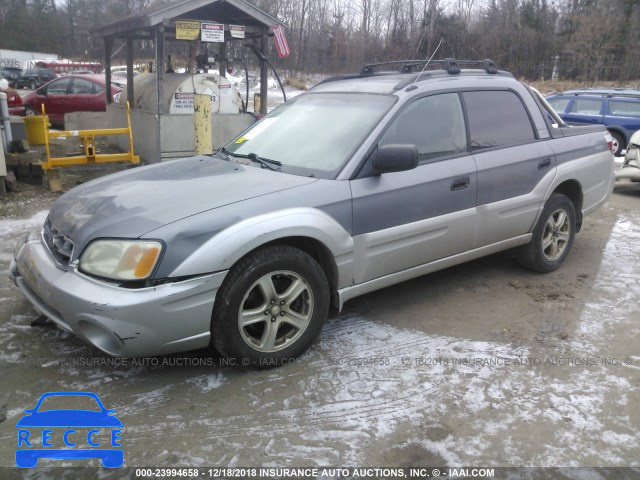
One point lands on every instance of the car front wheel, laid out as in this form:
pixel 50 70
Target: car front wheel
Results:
pixel 552 236
pixel 270 308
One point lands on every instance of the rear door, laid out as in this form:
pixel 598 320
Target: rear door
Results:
pixel 85 96
pixel 515 168
pixel 406 219
pixel 585 110
pixel 623 113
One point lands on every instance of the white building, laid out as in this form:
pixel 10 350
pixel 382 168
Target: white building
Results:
pixel 18 59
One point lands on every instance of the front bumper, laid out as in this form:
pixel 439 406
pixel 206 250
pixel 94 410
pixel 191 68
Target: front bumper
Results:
pixel 122 322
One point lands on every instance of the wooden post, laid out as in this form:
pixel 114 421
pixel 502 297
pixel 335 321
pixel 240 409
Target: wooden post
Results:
pixel 159 87
pixel 130 96
pixel 263 75
pixel 108 49
pixel 223 59
pixel 160 67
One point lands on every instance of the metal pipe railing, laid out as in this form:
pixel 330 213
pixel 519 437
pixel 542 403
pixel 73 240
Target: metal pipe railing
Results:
pixel 4 117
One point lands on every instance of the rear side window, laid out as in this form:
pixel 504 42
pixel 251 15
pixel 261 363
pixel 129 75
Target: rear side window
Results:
pixel 435 125
pixel 587 106
pixel 82 86
pixel 497 119
pixel 624 109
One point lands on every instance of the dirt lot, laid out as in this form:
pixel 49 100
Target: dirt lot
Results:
pixel 484 364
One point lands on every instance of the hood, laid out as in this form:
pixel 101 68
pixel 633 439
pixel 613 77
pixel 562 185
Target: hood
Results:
pixel 131 203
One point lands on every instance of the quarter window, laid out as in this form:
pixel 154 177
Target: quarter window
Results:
pixel 624 109
pixel 435 125
pixel 496 119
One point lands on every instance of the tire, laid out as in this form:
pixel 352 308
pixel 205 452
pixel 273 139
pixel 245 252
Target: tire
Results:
pixel 257 320
pixel 618 143
pixel 32 85
pixel 552 236
pixel 30 111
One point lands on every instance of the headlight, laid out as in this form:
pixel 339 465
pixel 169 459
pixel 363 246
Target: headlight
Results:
pixel 121 259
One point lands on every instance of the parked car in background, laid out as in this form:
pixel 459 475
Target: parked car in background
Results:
pixel 71 93
pixel 32 78
pixel 14 101
pixel 11 75
pixel 78 72
pixel 617 109
pixel 630 169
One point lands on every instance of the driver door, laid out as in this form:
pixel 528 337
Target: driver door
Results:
pixel 406 219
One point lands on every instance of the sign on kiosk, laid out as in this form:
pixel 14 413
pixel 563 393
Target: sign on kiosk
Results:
pixel 212 32
pixel 186 30
pixel 236 31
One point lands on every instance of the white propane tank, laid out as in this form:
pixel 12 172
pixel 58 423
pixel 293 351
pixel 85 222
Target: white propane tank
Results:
pixel 179 90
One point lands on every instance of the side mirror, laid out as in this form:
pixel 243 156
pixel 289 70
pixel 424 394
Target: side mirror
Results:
pixel 394 158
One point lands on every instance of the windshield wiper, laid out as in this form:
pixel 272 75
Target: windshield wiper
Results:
pixel 265 162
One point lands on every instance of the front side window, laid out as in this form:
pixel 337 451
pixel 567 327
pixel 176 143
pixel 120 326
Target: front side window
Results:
pixel 314 134
pixel 497 118
pixel 58 87
pixel 435 125
pixel 559 104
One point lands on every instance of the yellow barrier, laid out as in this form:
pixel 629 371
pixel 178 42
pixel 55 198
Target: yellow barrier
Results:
pixel 87 137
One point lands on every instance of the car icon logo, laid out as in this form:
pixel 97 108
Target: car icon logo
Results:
pixel 69 433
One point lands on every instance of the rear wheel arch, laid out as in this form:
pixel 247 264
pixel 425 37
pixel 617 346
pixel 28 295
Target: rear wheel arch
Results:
pixel 573 190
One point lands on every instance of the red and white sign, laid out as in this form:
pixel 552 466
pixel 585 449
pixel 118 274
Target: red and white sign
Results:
pixel 212 32
pixel 281 41
pixel 236 31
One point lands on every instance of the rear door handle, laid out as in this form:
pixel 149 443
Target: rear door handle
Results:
pixel 546 163
pixel 460 183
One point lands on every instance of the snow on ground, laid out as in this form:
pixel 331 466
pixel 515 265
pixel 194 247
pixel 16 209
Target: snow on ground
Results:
pixel 10 227
pixel 367 385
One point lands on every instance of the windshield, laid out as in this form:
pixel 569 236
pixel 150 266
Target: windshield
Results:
pixel 313 134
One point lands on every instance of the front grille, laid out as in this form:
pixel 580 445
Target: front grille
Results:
pixel 58 245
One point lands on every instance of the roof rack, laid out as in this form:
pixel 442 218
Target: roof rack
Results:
pixel 607 93
pixel 450 65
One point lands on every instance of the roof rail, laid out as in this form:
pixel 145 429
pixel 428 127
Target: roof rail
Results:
pixel 606 93
pixel 450 65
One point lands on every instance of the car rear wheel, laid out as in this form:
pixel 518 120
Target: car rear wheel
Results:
pixel 617 143
pixel 30 111
pixel 32 85
pixel 552 236
pixel 270 308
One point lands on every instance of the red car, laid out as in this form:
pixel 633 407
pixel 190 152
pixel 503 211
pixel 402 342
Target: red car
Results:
pixel 14 101
pixel 71 93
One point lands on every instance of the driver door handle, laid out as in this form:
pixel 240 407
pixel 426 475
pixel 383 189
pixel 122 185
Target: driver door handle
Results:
pixel 460 183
